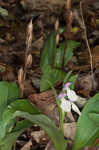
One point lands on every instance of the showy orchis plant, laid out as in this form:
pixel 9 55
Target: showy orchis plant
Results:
pixel 66 100
pixel 11 107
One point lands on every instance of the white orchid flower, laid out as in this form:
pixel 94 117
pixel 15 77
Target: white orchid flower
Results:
pixel 67 103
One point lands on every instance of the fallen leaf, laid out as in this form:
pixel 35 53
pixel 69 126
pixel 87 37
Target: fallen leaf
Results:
pixel 70 130
pixel 39 135
pixel 27 146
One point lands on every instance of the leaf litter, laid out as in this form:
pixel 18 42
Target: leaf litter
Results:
pixel 12 53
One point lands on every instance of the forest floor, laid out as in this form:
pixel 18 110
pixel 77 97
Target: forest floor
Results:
pixel 13 24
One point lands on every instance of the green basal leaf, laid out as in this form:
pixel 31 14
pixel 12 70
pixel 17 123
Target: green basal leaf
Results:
pixel 95 118
pixel 19 105
pixel 59 56
pixel 8 141
pixel 30 113
pixel 69 50
pixel 22 125
pixel 48 53
pixel 8 93
pixel 67 76
pixel 13 92
pixel 8 121
pixel 88 127
pixel 3 97
pixel 45 123
pixel 53 89
pixel 73 79
pixel 51 75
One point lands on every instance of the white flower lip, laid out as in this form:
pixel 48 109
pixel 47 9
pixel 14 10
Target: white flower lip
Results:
pixel 72 97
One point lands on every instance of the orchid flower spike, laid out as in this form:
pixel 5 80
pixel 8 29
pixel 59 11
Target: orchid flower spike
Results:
pixel 68 103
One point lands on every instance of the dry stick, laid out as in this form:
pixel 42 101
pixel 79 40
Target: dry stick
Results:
pixel 85 34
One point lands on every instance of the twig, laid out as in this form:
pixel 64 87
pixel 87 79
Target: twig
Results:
pixel 85 34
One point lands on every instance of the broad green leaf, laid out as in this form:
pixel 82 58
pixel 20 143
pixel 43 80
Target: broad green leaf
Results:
pixel 13 92
pixel 73 79
pixel 22 125
pixel 8 92
pixel 53 89
pixel 19 105
pixel 67 76
pixel 42 120
pixel 23 105
pixel 95 118
pixel 51 75
pixel 8 122
pixel 69 50
pixel 59 56
pixel 7 142
pixel 48 53
pixel 87 128
pixel 45 123
pixel 3 96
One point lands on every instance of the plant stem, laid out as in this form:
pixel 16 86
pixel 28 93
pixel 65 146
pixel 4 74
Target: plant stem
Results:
pixel 62 115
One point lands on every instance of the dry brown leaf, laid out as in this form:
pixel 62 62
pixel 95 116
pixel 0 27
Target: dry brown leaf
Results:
pixel 45 102
pixel 95 56
pixel 84 85
pixel 70 130
pixel 38 44
pixel 27 146
pixel 39 136
pixel 28 89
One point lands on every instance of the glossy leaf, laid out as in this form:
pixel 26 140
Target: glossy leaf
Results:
pixel 7 142
pixel 13 92
pixel 94 117
pixel 51 75
pixel 88 127
pixel 73 79
pixel 33 116
pixel 3 96
pixel 48 53
pixel 59 56
pixel 67 76
pixel 8 122
pixel 45 123
pixel 8 92
pixel 69 50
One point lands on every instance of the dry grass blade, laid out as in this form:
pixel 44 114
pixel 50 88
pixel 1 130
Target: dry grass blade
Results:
pixel 85 35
